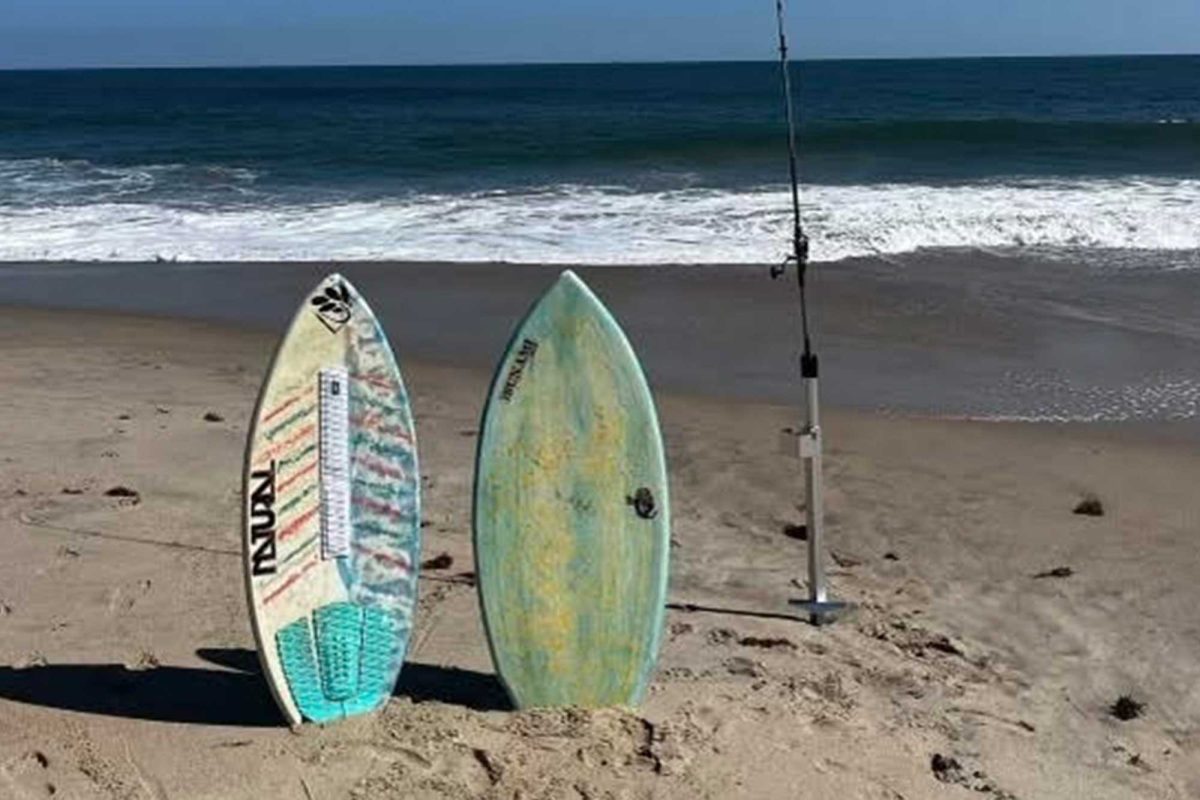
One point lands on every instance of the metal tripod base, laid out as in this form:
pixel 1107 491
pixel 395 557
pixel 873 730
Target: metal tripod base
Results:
pixel 821 612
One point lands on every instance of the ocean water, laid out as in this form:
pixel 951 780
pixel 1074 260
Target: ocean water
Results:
pixel 679 163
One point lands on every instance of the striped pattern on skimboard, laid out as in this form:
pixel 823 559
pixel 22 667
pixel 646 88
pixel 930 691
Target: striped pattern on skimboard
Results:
pixel 332 607
pixel 571 517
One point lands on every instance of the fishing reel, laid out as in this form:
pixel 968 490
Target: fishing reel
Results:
pixel 780 269
pixel 799 258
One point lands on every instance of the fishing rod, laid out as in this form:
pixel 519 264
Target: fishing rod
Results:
pixel 799 254
pixel 820 609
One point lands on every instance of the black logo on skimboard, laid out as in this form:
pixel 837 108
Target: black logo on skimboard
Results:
pixel 524 357
pixel 643 503
pixel 333 306
pixel 262 521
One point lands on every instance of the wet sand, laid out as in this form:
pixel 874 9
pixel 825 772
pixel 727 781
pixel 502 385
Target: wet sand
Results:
pixel 995 628
pixel 945 334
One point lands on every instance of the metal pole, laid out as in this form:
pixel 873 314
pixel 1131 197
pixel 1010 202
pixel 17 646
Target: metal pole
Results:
pixel 820 608
pixel 812 490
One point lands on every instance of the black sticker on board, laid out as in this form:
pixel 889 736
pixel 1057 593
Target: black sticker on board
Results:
pixel 334 306
pixel 517 370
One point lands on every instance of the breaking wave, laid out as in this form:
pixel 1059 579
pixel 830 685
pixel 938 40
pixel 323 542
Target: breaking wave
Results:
pixel 87 213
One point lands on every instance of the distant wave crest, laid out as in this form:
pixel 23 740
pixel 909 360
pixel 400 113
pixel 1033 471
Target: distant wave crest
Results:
pixel 34 182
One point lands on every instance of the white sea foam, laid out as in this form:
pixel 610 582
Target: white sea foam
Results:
pixel 1059 398
pixel 573 224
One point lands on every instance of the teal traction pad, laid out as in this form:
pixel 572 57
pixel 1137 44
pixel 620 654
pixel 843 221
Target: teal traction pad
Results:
pixel 348 669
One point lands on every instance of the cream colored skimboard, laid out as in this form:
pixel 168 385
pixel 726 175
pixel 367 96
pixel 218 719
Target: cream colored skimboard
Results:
pixel 332 512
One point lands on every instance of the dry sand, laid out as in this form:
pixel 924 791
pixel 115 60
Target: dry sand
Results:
pixel 127 669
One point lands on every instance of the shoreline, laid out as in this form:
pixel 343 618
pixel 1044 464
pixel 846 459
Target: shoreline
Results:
pixel 1164 433
pixel 943 334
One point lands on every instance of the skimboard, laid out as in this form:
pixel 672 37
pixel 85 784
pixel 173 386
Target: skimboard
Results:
pixel 571 521
pixel 332 512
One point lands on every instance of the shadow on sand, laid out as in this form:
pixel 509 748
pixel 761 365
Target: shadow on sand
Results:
pixel 234 695
pixel 479 691
pixel 162 694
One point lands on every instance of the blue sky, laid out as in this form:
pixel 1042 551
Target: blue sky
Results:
pixel 57 33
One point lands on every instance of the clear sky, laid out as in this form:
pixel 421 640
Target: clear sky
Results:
pixel 58 33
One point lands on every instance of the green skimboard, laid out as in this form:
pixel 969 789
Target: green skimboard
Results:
pixel 571 518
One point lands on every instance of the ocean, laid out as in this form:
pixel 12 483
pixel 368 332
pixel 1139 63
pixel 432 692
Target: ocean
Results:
pixel 1094 158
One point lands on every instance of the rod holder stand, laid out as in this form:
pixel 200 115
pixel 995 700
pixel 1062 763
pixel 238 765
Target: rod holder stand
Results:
pixel 820 614
pixel 821 610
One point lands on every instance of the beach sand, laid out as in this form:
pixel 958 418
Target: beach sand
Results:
pixel 126 659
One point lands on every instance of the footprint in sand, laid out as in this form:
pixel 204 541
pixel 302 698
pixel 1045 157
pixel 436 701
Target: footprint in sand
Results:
pixel 678 629
pixel 122 599
pixel 26 776
pixel 721 636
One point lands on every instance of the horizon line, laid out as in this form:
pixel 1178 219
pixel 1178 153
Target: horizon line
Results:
pixel 615 62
